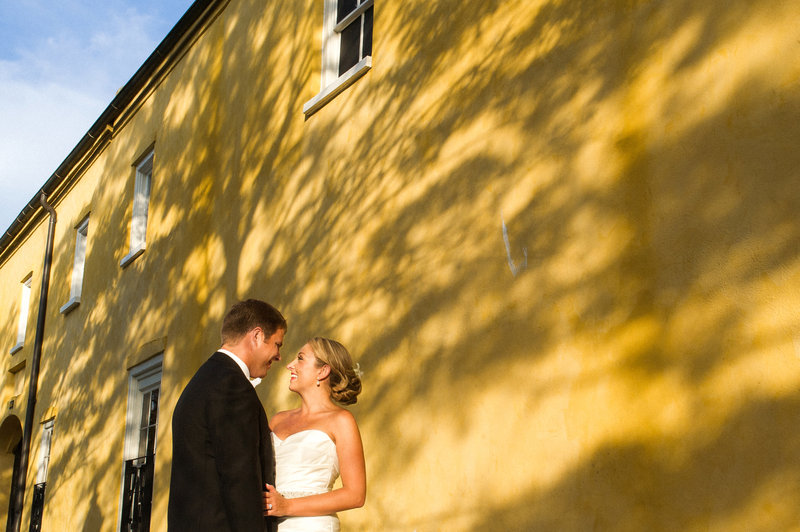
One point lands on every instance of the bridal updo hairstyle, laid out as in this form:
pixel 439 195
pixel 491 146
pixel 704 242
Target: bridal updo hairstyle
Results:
pixel 344 382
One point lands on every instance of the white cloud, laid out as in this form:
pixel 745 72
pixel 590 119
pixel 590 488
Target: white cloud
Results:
pixel 54 88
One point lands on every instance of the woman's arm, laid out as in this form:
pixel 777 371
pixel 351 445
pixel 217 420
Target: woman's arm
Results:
pixel 352 469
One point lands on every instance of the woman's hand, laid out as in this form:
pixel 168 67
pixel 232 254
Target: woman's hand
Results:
pixel 275 505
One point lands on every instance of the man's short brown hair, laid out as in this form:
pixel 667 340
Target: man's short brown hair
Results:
pixel 246 315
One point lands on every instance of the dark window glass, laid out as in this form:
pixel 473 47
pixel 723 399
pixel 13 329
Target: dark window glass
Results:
pixel 147 428
pixel 151 440
pixel 137 494
pixel 348 52
pixel 367 33
pixel 37 507
pixel 154 407
pixel 344 8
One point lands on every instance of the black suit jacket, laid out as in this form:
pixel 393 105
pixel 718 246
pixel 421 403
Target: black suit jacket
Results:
pixel 221 453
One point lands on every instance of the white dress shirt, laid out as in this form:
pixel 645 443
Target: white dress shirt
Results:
pixel 255 382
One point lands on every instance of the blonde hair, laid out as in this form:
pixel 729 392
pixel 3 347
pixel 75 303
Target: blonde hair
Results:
pixel 344 381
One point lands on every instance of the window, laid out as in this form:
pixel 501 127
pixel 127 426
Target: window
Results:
pixel 37 506
pixel 82 231
pixel 140 445
pixel 24 307
pixel 354 28
pixel 346 48
pixel 141 200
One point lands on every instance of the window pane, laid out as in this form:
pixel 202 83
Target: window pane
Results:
pixel 154 407
pixel 367 33
pixel 141 200
pixel 151 440
pixel 44 452
pixel 142 443
pixel 344 8
pixel 348 53
pixel 145 410
pixel 80 259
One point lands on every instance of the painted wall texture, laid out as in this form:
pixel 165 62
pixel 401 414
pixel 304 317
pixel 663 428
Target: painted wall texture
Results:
pixel 560 238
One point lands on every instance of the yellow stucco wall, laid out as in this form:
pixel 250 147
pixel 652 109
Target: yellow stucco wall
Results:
pixel 560 238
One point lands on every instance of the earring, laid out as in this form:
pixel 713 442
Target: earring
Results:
pixel 317 383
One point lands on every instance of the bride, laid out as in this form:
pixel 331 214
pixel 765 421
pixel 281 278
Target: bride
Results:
pixel 318 442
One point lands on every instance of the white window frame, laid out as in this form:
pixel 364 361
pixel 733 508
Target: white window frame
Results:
pixel 143 378
pixel 24 309
pixel 44 451
pixel 332 84
pixel 76 286
pixel 141 204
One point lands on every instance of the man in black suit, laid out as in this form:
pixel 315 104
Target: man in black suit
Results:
pixel 221 447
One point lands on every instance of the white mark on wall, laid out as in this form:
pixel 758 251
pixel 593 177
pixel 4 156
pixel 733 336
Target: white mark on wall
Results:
pixel 511 264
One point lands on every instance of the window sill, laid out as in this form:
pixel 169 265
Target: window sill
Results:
pixel 340 84
pixel 130 257
pixel 70 305
pixel 17 347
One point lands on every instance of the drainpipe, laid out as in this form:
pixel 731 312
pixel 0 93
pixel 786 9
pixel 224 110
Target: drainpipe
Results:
pixel 33 385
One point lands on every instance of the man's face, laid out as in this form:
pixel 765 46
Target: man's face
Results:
pixel 268 350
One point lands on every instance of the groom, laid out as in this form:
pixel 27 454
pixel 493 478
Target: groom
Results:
pixel 221 448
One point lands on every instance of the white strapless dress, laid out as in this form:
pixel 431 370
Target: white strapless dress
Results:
pixel 306 464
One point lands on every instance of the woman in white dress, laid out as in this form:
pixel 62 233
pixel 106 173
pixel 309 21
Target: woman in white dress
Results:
pixel 317 442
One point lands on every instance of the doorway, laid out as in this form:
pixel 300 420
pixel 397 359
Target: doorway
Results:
pixel 10 451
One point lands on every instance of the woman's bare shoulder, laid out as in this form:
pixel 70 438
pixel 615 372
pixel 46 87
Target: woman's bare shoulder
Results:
pixel 341 420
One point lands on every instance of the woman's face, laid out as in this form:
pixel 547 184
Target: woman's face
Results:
pixel 303 370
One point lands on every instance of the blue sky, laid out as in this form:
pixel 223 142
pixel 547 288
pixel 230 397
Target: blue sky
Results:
pixel 61 62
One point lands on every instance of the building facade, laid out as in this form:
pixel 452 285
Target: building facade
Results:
pixel 560 238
